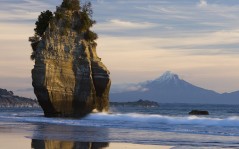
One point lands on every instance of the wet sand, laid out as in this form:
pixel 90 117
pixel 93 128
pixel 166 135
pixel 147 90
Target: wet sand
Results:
pixel 11 140
pixel 136 146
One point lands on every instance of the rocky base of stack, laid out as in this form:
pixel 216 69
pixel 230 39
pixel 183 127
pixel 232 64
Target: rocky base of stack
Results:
pixel 63 92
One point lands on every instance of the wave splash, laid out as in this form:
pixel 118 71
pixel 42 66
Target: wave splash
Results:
pixel 187 120
pixel 99 119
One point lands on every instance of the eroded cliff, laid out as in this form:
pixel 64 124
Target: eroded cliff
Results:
pixel 68 77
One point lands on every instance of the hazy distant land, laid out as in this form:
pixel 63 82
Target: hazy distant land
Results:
pixel 170 88
pixel 8 99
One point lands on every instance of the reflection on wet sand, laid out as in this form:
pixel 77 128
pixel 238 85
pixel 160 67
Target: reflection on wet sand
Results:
pixel 55 144
pixel 47 136
pixel 50 136
pixel 69 137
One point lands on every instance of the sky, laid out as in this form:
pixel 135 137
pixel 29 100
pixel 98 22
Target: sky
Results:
pixel 138 40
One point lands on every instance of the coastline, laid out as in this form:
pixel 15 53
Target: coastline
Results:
pixel 27 128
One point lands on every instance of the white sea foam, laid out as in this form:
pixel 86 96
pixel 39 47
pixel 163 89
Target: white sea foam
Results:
pixel 187 120
pixel 98 119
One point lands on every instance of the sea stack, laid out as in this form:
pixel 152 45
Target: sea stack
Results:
pixel 68 77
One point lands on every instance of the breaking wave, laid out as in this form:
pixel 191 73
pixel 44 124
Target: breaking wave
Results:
pixel 187 120
pixel 104 119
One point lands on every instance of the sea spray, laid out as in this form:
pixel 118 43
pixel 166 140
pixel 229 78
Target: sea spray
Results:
pixel 132 117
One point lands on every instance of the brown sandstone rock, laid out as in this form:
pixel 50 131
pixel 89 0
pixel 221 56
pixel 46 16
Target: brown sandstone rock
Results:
pixel 68 77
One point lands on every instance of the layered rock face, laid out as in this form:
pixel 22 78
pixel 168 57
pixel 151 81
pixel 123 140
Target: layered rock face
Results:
pixel 69 78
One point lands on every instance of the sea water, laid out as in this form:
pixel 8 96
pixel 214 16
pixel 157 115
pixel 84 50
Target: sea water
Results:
pixel 168 124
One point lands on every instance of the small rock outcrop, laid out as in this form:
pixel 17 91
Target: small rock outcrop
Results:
pixel 68 77
pixel 198 112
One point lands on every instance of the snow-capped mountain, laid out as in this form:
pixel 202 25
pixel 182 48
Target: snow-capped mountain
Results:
pixel 169 88
pixel 167 76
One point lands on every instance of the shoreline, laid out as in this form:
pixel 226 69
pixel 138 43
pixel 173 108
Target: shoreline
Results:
pixel 29 129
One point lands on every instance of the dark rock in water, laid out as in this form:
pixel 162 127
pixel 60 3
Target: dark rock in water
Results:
pixel 141 103
pixel 198 112
pixel 9 100
pixel 69 78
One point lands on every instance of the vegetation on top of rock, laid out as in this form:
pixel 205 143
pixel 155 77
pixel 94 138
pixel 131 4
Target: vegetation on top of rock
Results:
pixel 85 21
pixel 71 15
pixel 87 8
pixel 41 25
pixel 43 22
pixel 71 5
pixel 90 36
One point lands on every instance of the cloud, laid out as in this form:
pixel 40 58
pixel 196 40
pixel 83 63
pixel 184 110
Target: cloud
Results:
pixel 131 25
pixel 100 1
pixel 22 11
pixel 117 24
pixel 13 31
pixel 137 88
pixel 138 37
pixel 218 42
pixel 119 88
pixel 127 57
pixel 202 3
pixel 168 17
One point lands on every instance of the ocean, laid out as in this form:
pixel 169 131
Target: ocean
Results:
pixel 168 124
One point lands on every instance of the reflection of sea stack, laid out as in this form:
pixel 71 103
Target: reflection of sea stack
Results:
pixel 69 137
pixel 53 144
pixel 69 78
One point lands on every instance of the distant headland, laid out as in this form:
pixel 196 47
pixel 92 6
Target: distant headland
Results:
pixel 8 99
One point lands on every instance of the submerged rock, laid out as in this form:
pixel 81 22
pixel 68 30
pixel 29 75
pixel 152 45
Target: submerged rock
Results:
pixel 68 77
pixel 198 112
